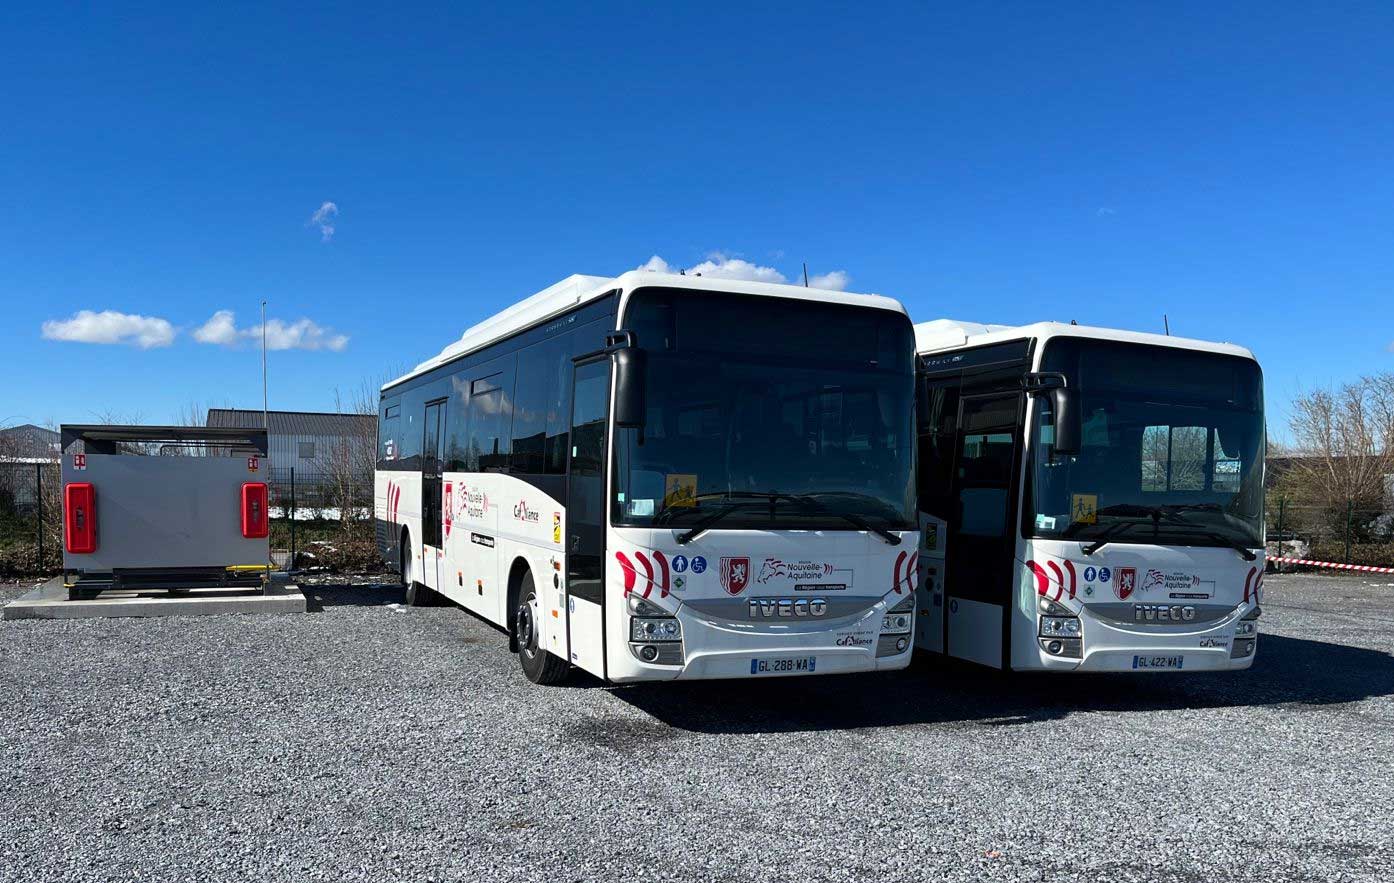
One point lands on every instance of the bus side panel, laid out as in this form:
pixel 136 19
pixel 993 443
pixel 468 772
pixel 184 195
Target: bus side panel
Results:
pixel 587 626
pixel 929 625
pixel 397 504
pixel 975 631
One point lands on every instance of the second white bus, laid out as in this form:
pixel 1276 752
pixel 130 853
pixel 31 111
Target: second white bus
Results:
pixel 1092 499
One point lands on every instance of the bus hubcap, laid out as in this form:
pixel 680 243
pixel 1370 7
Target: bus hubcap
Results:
pixel 526 632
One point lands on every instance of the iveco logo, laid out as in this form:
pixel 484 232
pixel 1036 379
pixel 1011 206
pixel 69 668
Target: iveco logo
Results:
pixel 769 608
pixel 1163 613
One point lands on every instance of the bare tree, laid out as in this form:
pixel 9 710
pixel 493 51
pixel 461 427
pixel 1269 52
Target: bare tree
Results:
pixel 1343 452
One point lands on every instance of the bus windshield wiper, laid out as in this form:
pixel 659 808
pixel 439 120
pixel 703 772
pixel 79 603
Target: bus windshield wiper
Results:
pixel 706 523
pixel 850 517
pixel 1173 513
pixel 1109 532
pixel 742 499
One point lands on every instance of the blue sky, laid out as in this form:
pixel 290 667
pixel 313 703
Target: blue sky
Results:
pixel 1233 168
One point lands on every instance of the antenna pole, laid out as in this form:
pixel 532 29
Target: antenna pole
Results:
pixel 1166 325
pixel 805 274
pixel 265 418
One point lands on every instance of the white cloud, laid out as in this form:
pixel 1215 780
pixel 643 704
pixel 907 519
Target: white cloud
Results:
pixel 837 280
pixel 719 266
pixel 220 329
pixel 302 334
pixel 109 326
pixel 1105 211
pixel 324 218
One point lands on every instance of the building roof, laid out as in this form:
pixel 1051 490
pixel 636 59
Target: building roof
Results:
pixel 578 289
pixel 29 443
pixel 297 422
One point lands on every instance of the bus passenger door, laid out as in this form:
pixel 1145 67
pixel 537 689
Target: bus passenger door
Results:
pixel 432 549
pixel 585 516
pixel 981 545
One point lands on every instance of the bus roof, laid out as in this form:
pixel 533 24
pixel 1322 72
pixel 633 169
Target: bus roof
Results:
pixel 951 334
pixel 578 289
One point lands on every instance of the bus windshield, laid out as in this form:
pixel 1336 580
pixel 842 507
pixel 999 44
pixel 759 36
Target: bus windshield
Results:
pixel 1171 448
pixel 770 413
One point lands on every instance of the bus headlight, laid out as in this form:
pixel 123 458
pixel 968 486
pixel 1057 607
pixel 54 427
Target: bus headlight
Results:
pixel 1246 629
pixel 896 623
pixel 1060 627
pixel 649 629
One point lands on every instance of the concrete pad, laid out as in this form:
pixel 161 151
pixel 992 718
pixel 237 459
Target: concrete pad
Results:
pixel 50 601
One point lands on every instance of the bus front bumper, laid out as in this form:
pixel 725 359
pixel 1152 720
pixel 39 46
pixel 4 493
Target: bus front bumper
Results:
pixel 1114 650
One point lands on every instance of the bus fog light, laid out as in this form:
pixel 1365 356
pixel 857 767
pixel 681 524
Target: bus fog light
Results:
pixel 1243 648
pixel 1059 627
pixel 1066 648
pixel 896 624
pixel 655 629
pixel 901 644
pixel 648 653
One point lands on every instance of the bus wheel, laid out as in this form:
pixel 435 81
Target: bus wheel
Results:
pixel 414 593
pixel 539 665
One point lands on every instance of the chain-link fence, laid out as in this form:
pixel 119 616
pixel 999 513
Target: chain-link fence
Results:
pixel 1343 533
pixel 31 518
pixel 322 519
pixel 318 519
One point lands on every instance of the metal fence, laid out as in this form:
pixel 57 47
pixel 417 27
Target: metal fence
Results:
pixel 1342 533
pixel 321 519
pixel 31 518
pixel 317 518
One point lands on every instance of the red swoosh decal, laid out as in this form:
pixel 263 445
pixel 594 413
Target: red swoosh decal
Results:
pixel 663 570
pixel 1070 566
pixel 628 572
pixel 1248 579
pixel 1042 581
pixel 899 560
pixel 1059 578
pixel 648 572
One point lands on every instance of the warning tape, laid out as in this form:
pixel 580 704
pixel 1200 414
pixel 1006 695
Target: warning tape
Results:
pixel 1363 568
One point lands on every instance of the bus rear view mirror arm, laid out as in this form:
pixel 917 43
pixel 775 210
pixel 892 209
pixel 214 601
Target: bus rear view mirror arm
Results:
pixel 1067 424
pixel 630 370
pixel 1064 406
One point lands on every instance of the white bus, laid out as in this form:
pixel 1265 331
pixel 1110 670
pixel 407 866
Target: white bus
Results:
pixel 660 476
pixel 1091 499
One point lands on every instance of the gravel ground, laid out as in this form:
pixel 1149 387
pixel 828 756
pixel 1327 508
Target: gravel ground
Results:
pixel 366 741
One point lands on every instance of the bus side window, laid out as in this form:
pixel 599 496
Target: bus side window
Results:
pixel 530 406
pixel 559 405
pixel 491 418
pixel 938 446
pixel 389 430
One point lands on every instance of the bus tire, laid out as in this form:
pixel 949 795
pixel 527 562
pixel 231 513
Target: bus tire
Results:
pixel 540 666
pixel 414 594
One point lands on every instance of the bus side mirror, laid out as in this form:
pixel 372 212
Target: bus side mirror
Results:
pixel 630 369
pixel 1065 402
